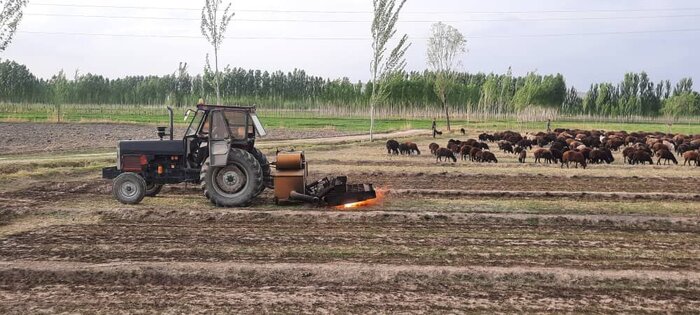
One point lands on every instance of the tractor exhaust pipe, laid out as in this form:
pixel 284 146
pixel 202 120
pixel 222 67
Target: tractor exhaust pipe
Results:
pixel 170 113
pixel 302 197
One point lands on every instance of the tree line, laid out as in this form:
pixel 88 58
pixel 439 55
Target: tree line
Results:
pixel 636 94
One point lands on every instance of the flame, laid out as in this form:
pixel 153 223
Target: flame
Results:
pixel 365 203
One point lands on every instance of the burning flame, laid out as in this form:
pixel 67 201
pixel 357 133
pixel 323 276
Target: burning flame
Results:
pixel 365 203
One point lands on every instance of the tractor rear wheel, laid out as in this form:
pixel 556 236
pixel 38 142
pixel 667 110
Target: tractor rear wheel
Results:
pixel 129 188
pixel 153 190
pixel 234 184
pixel 266 171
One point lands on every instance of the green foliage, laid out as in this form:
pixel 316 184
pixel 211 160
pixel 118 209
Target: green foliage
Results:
pixel 542 91
pixel 297 90
pixel 383 67
pixel 686 103
pixel 444 48
pixel 635 95
pixel 213 27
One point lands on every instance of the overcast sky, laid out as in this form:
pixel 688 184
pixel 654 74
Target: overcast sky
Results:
pixel 657 36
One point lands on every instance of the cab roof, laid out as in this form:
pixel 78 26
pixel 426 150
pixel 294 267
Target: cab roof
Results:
pixel 226 107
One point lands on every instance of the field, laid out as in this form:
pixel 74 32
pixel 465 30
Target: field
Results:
pixel 444 237
pixel 348 121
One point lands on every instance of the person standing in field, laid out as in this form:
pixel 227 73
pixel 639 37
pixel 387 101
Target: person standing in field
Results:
pixel 434 128
pixel 549 125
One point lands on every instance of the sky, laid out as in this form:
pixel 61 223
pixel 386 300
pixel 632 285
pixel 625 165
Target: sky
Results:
pixel 586 41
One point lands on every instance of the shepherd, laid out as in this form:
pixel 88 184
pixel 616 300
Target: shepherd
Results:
pixel 549 125
pixel 434 128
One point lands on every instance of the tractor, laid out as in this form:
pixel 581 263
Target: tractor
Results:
pixel 218 152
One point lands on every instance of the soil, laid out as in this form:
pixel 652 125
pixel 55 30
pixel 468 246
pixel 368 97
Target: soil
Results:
pixel 67 247
pixel 52 137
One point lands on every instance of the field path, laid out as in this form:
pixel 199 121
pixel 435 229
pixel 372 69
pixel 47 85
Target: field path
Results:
pixel 344 139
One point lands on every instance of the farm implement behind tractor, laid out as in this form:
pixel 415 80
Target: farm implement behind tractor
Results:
pixel 218 152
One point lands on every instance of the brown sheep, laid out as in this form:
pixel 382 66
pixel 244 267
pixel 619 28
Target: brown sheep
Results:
pixel 543 154
pixel 659 146
pixel 433 148
pixel 464 152
pixel 522 156
pixel 627 154
pixel 573 157
pixel 488 157
pixel 477 156
pixel 473 153
pixel 641 156
pixel 601 155
pixel 666 155
pixel 413 148
pixel 392 147
pixel 445 153
pixel 691 156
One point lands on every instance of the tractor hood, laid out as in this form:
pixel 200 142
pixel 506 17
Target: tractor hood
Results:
pixel 152 147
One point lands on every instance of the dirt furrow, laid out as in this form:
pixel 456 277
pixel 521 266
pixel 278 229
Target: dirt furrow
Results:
pixel 347 288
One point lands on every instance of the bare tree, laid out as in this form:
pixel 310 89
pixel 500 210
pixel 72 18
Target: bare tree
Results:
pixel 444 48
pixel 213 28
pixel 386 14
pixel 10 15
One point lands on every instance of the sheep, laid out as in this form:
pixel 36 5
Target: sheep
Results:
pixel 659 146
pixel 404 149
pixel 627 154
pixel 598 156
pixel 464 132
pixel 525 143
pixel 666 155
pixel 573 157
pixel 557 155
pixel 522 156
pixel 392 147
pixel 464 151
pixel 433 148
pixel 413 148
pixel 691 156
pixel 506 146
pixel 543 154
pixel 473 153
pixel 641 156
pixel 488 157
pixel 486 137
pixel 445 153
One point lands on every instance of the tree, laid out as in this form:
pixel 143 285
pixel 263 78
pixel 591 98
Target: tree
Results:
pixel 213 28
pixel 10 15
pixel 683 104
pixel 59 91
pixel 444 48
pixel 386 14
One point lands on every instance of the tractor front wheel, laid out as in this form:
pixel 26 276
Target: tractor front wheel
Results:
pixel 129 188
pixel 234 184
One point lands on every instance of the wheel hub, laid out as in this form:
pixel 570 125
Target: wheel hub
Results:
pixel 129 189
pixel 230 179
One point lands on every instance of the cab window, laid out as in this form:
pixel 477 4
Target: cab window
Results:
pixel 238 124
